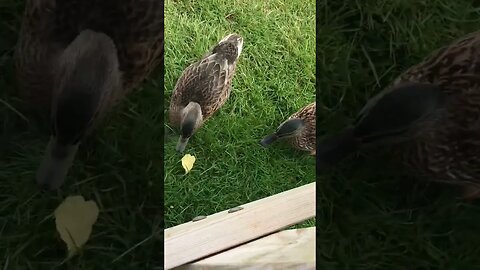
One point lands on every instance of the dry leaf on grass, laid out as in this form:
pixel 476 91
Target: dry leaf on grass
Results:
pixel 187 162
pixel 74 219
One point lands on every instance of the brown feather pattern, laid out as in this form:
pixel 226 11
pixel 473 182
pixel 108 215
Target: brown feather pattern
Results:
pixel 449 151
pixel 207 82
pixel 306 139
pixel 135 26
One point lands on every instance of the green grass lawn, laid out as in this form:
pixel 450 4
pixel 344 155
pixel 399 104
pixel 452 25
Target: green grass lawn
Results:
pixel 371 216
pixel 275 77
pixel 120 168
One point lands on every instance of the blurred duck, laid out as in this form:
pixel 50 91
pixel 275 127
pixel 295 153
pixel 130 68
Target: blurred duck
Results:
pixel 76 60
pixel 429 117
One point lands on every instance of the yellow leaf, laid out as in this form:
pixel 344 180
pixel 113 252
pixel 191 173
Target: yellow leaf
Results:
pixel 187 162
pixel 74 219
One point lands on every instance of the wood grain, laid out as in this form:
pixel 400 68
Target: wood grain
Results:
pixel 289 249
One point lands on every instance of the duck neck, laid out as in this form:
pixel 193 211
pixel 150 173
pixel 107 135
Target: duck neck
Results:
pixel 290 128
pixel 86 77
pixel 191 119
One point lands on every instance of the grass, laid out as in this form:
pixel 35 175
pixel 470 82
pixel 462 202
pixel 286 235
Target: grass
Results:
pixel 120 168
pixel 371 215
pixel 275 77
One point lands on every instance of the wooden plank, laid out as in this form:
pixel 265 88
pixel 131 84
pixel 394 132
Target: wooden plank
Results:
pixel 289 249
pixel 195 240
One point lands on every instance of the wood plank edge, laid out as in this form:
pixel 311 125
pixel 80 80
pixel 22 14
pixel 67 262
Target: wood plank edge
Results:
pixel 191 241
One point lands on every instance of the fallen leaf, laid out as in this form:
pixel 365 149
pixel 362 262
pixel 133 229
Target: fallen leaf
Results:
pixel 187 162
pixel 74 219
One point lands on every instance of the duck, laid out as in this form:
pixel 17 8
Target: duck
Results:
pixel 428 118
pixel 76 60
pixel 299 129
pixel 203 88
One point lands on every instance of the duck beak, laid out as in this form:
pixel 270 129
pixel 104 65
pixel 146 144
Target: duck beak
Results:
pixel 182 144
pixel 55 165
pixel 265 142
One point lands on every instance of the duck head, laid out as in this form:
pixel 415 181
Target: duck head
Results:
pixel 86 75
pixel 191 120
pixel 290 128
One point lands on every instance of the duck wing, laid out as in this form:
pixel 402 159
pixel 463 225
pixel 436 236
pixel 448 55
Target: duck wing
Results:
pixel 205 82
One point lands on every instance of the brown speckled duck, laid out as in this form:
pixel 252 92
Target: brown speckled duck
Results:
pixel 299 128
pixel 204 87
pixel 77 59
pixel 429 116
